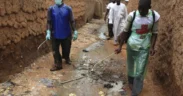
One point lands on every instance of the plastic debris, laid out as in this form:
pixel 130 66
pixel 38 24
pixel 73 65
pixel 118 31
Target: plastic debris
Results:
pixel 108 86
pixel 54 93
pixel 101 92
pixel 47 82
pixel 72 94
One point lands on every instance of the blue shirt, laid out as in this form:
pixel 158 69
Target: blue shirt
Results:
pixel 60 18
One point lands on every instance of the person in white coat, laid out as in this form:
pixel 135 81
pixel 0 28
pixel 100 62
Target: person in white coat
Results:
pixel 118 16
pixel 106 17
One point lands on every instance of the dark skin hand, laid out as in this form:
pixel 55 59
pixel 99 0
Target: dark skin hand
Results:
pixel 153 43
pixel 107 12
pixel 123 38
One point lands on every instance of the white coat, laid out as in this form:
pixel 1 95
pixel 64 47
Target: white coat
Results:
pixel 118 16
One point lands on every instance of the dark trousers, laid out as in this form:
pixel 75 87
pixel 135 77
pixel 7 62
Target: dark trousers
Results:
pixel 66 47
pixel 137 84
pixel 110 29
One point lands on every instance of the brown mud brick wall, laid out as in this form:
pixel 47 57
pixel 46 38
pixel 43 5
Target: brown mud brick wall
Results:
pixel 167 64
pixel 93 9
pixel 21 18
pixel 132 5
pixel 98 9
pixel 22 29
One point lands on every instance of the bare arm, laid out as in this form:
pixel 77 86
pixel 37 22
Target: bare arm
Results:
pixel 123 38
pixel 107 12
pixel 125 33
pixel 153 40
pixel 154 35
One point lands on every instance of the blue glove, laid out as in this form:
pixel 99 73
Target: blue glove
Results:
pixel 48 35
pixel 75 35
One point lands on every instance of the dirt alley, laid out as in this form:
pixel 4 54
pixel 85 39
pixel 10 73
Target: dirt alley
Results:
pixel 37 80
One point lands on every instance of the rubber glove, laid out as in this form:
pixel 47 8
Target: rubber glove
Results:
pixel 48 35
pixel 75 35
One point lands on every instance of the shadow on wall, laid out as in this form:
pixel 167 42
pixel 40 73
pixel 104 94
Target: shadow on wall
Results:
pixel 16 57
pixel 94 9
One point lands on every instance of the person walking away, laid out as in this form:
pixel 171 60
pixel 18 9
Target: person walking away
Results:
pixel 110 26
pixel 60 21
pixel 141 39
pixel 117 17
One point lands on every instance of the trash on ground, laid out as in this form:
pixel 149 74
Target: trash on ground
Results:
pixel 108 86
pixel 47 82
pixel 94 46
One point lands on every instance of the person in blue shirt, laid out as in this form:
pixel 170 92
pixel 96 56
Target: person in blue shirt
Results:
pixel 60 30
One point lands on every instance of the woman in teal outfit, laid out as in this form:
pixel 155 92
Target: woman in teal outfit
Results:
pixel 143 26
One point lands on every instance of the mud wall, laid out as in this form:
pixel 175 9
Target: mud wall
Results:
pixel 132 5
pixel 105 2
pixel 93 9
pixel 168 60
pixel 23 25
pixel 167 64
pixel 22 18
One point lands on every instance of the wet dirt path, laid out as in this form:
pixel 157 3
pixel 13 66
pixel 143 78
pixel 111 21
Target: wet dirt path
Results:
pixel 108 78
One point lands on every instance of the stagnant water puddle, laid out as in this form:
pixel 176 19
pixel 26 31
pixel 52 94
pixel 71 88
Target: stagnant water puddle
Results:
pixel 99 72
pixel 105 80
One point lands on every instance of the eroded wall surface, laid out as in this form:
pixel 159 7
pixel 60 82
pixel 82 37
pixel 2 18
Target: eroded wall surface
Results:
pixel 22 30
pixel 22 18
pixel 168 62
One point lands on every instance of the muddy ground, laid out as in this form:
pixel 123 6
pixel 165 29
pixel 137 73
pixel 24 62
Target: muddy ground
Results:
pixel 107 79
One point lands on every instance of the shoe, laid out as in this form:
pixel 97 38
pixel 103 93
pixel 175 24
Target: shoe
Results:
pixel 63 57
pixel 56 68
pixel 68 62
pixel 109 38
pixel 85 50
